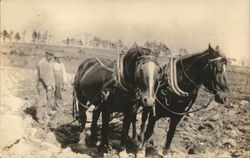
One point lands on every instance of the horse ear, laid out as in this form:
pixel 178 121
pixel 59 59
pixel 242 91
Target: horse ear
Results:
pixel 209 46
pixel 217 48
pixel 210 49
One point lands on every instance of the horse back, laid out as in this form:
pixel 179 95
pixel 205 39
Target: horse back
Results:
pixel 91 77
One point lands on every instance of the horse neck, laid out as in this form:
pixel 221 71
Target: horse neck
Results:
pixel 190 71
pixel 129 65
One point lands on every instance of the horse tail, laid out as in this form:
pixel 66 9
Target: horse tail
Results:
pixel 74 108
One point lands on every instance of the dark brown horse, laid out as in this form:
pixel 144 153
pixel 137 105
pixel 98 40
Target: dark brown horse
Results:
pixel 174 99
pixel 95 82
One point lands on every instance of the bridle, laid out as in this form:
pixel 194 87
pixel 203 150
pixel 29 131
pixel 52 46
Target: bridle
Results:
pixel 209 65
pixel 142 60
pixel 212 68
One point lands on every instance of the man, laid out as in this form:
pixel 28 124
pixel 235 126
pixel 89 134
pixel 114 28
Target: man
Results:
pixel 46 86
pixel 59 70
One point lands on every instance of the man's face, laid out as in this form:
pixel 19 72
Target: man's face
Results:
pixel 49 57
pixel 57 59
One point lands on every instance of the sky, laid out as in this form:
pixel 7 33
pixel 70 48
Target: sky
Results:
pixel 190 24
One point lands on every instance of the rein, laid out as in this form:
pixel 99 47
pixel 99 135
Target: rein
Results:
pixel 187 111
pixel 185 74
pixel 209 62
pixel 189 106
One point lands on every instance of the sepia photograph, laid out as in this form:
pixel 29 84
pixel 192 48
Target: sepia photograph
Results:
pixel 124 79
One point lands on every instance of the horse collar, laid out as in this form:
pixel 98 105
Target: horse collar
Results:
pixel 119 76
pixel 172 78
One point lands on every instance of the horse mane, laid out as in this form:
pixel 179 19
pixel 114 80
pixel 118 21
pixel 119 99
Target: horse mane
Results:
pixel 193 55
pixel 142 50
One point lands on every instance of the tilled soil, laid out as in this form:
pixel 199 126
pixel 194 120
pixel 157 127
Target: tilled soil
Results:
pixel 218 131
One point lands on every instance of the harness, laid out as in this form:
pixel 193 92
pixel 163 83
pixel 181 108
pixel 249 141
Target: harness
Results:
pixel 104 92
pixel 119 77
pixel 171 74
pixel 173 86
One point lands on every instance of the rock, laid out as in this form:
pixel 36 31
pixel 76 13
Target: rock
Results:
pixel 67 153
pixel 244 128
pixel 82 139
pixel 52 139
pixel 50 147
pixel 234 133
pixel 20 150
pixel 44 154
pixel 11 129
pixel 11 104
pixel 229 143
pixel 191 151
pixel 244 102
pixel 223 154
pixel 216 117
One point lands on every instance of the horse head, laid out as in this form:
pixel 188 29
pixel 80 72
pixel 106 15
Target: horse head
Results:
pixel 214 76
pixel 148 75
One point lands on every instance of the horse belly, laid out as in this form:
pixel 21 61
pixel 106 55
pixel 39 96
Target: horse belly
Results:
pixel 92 83
pixel 119 102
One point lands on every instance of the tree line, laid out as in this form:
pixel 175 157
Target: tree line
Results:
pixel 45 37
pixel 11 35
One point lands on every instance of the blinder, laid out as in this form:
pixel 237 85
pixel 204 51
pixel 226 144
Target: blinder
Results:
pixel 142 60
pixel 215 66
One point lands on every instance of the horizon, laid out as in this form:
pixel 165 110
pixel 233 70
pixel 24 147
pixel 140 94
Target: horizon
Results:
pixel 179 24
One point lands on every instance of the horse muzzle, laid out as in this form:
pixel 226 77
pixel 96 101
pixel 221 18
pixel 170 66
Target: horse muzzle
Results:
pixel 220 98
pixel 149 102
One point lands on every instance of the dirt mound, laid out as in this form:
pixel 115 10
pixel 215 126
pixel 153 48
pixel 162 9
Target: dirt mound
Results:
pixel 218 131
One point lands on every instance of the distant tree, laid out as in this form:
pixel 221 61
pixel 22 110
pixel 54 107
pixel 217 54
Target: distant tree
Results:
pixel 72 41
pixel 44 37
pixel 49 38
pixel 230 61
pixel 38 37
pixel 104 43
pixel 34 36
pixel 17 37
pixel 67 41
pixel 182 51
pixel 163 50
pixel 23 36
pixel 158 48
pixel 80 42
pixel 151 45
pixel 243 63
pixel 5 35
pixel 96 42
pixel 120 44
pixel 11 34
pixel 147 44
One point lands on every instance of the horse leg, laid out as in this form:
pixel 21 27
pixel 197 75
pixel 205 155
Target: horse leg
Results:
pixel 83 116
pixel 134 134
pixel 104 146
pixel 170 134
pixel 126 123
pixel 143 123
pixel 148 134
pixel 93 136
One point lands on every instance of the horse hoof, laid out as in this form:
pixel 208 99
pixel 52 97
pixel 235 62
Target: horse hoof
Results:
pixel 135 141
pixel 104 149
pixel 139 138
pixel 91 142
pixel 123 154
pixel 141 154
pixel 165 153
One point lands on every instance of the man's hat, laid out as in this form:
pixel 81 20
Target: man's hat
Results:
pixel 58 55
pixel 49 53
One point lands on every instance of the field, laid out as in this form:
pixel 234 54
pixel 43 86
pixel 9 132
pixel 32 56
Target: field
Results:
pixel 218 131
